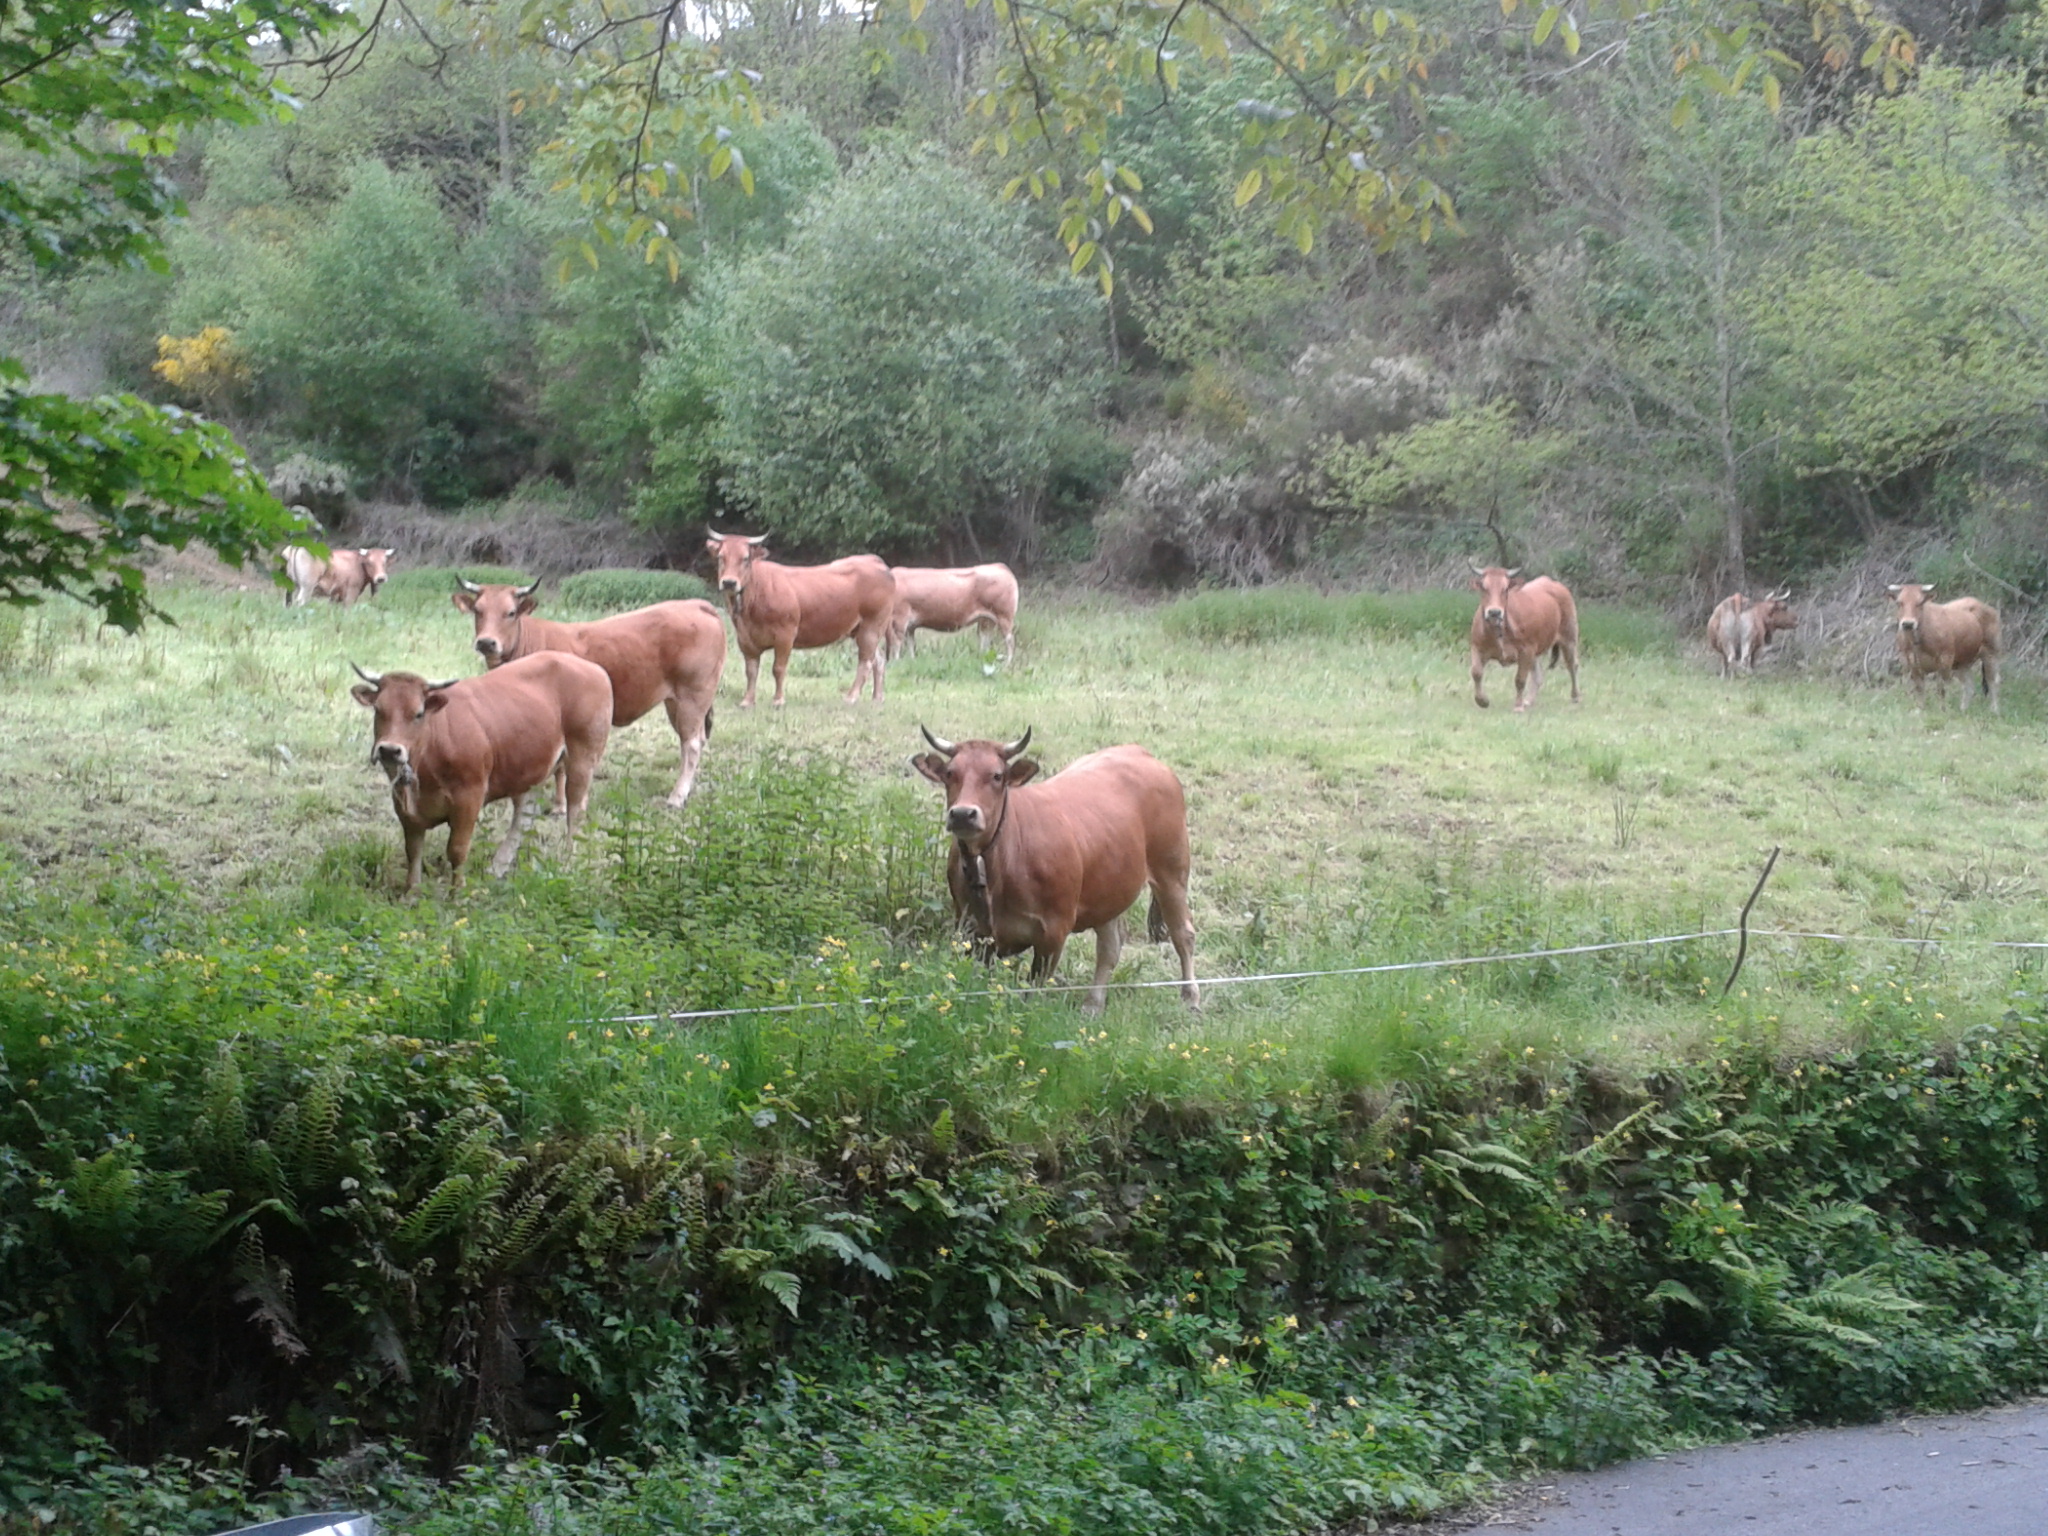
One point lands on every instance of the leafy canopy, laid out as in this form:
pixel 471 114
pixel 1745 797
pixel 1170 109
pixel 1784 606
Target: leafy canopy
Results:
pixel 95 97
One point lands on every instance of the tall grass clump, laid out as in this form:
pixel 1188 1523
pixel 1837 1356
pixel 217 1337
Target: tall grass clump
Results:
pixel 1265 615
pixel 614 591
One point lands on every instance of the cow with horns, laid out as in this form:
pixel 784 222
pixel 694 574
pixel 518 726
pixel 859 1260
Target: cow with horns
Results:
pixel 1518 620
pixel 1946 639
pixel 1740 628
pixel 1033 862
pixel 781 608
pixel 671 654
pixel 451 748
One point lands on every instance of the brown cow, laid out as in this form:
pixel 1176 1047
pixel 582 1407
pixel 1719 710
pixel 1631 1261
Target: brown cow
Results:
pixel 1517 622
pixel 344 576
pixel 1739 630
pixel 1946 638
pixel 449 749
pixel 670 654
pixel 950 600
pixel 803 607
pixel 1033 863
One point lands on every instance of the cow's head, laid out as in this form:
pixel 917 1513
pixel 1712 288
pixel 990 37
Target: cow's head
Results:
pixel 735 554
pixel 1911 598
pixel 977 776
pixel 1493 583
pixel 1775 613
pixel 497 609
pixel 376 566
pixel 401 702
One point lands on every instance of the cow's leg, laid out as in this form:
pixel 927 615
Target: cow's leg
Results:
pixel 1990 681
pixel 691 734
pixel 1009 643
pixel 753 664
pixel 582 764
pixel 1045 954
pixel 508 850
pixel 1571 665
pixel 1962 691
pixel 1479 681
pixel 1528 680
pixel 461 830
pixel 781 671
pixel 1919 681
pixel 1170 919
pixel 561 805
pixel 415 855
pixel 1109 948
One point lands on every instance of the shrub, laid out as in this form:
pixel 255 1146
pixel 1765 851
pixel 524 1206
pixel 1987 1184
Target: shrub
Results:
pixel 621 591
pixel 315 484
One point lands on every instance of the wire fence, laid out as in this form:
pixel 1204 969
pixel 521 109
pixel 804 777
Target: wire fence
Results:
pixel 702 1015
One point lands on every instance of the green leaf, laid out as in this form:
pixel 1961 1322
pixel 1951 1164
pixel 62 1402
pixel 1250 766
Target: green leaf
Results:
pixel 1546 22
pixel 1248 188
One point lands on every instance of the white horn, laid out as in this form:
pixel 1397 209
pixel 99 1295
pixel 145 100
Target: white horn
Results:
pixel 940 745
pixel 374 679
pixel 1018 745
pixel 466 584
pixel 527 590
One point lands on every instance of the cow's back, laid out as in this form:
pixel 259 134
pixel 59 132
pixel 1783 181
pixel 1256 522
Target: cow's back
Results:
pixel 832 601
pixel 1126 814
pixel 512 722
pixel 1971 627
pixel 649 653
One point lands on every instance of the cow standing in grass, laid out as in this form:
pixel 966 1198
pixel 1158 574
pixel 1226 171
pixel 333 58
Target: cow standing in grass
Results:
pixel 449 749
pixel 671 654
pixel 344 576
pixel 1032 863
pixel 1517 621
pixel 950 600
pixel 781 608
pixel 1739 629
pixel 1944 639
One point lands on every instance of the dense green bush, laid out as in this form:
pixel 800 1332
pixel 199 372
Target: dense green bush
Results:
pixel 620 591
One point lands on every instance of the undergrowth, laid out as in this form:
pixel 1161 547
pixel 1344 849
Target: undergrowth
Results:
pixel 1261 615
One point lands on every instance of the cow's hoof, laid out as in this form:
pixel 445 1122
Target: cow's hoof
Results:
pixel 1484 703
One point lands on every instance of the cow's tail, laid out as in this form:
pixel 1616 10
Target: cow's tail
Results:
pixel 709 711
pixel 1155 922
pixel 1557 653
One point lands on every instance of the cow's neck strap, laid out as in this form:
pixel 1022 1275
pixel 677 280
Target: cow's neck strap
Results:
pixel 976 865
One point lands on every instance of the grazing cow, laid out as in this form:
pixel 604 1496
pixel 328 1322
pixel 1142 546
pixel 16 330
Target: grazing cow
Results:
pixel 1031 863
pixel 344 576
pixel 670 654
pixel 449 749
pixel 1517 622
pixel 781 608
pixel 1739 630
pixel 1946 638
pixel 950 600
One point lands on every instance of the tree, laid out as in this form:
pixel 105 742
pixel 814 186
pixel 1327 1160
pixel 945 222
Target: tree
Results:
pixel 899 375
pixel 93 98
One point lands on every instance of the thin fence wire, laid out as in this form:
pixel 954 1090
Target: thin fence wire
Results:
pixel 701 1015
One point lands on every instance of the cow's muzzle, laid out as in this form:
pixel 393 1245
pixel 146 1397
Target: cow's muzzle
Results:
pixel 1909 625
pixel 487 648
pixel 727 584
pixel 963 820
pixel 1496 617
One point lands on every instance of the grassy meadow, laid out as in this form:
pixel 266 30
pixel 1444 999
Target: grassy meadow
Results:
pixel 1348 802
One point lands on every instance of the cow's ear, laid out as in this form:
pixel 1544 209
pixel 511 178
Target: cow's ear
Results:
pixel 436 701
pixel 526 605
pixel 1023 770
pixel 931 765
pixel 1517 581
pixel 466 601
pixel 364 695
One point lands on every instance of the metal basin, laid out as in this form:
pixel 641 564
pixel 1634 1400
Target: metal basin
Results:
pixel 333 1523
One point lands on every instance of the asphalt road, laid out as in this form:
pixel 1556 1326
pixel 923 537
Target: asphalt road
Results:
pixel 1965 1474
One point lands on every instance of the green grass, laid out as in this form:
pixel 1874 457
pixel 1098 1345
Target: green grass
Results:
pixel 1348 803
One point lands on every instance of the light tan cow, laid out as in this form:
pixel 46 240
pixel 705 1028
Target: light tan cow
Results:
pixel 1032 863
pixel 950 600
pixel 1739 630
pixel 344 576
pixel 1517 621
pixel 671 654
pixel 781 608
pixel 449 749
pixel 1944 639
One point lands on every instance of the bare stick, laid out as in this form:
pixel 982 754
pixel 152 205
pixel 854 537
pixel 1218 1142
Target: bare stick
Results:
pixel 1742 924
